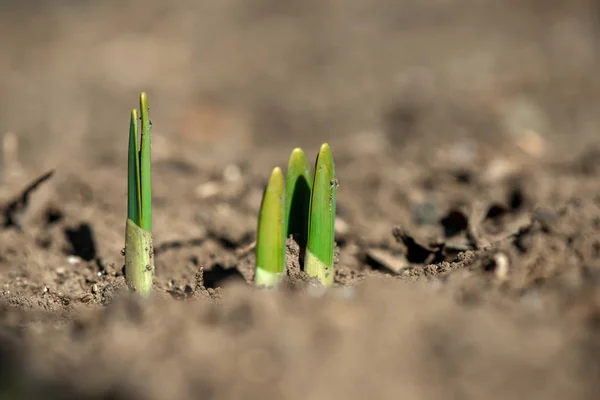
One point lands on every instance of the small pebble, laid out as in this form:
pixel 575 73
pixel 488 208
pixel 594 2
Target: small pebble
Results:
pixel 73 260
pixel 232 173
pixel 207 190
pixel 498 169
pixel 502 263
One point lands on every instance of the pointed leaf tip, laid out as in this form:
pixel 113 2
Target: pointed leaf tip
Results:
pixel 276 176
pixel 325 155
pixel 143 98
pixel 297 153
pixel 276 183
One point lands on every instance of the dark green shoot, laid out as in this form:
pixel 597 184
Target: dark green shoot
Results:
pixel 297 189
pixel 133 171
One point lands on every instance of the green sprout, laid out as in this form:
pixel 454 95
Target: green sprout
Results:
pixel 139 253
pixel 297 193
pixel 308 216
pixel 318 259
pixel 270 243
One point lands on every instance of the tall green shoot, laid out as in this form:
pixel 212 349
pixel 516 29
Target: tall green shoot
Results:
pixel 139 252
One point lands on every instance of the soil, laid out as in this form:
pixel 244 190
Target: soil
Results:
pixel 468 228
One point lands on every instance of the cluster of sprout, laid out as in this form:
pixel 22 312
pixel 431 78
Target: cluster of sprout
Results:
pixel 302 206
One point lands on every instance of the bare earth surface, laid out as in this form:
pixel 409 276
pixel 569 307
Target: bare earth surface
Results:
pixel 465 135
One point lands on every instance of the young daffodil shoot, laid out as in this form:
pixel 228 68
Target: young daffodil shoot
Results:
pixel 297 197
pixel 318 259
pixel 139 252
pixel 270 243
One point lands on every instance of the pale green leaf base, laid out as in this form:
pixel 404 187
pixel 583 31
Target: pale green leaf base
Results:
pixel 316 268
pixel 139 258
pixel 266 278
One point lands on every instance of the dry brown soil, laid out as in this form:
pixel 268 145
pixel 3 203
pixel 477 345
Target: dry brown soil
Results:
pixel 465 135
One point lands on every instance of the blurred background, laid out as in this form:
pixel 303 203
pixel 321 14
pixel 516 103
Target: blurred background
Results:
pixel 235 79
